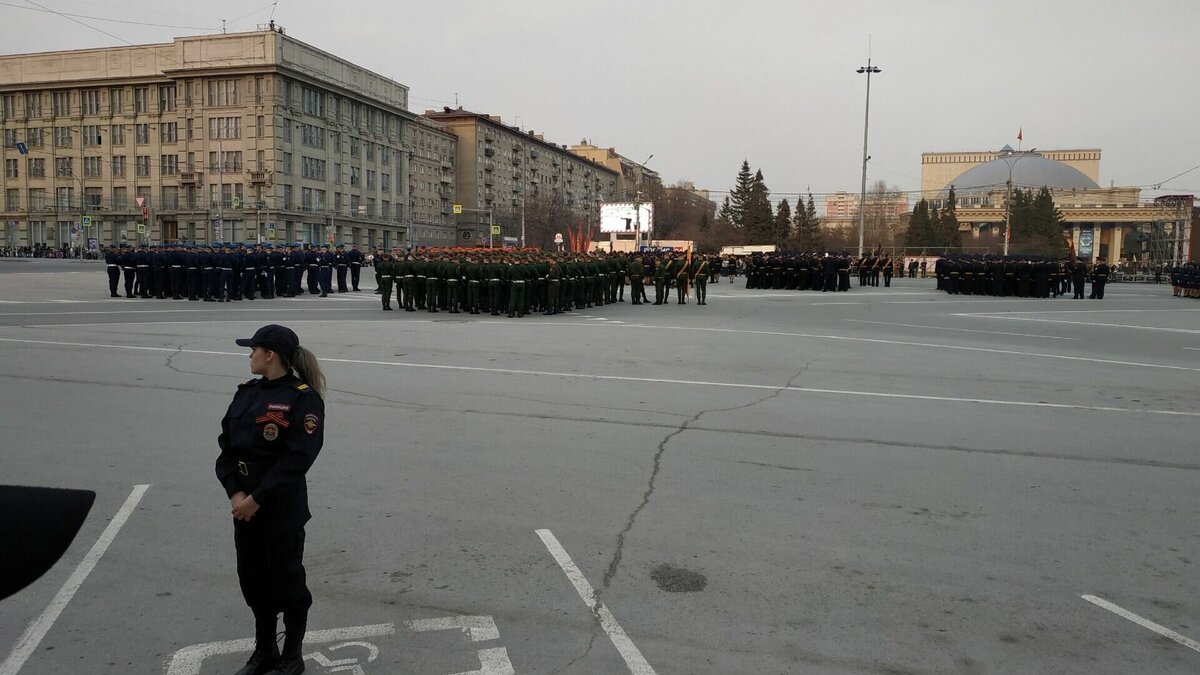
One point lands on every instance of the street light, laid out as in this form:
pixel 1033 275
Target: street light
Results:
pixel 637 207
pixel 862 201
pixel 1008 199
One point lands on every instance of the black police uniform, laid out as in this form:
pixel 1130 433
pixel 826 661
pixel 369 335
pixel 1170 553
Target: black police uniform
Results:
pixel 270 436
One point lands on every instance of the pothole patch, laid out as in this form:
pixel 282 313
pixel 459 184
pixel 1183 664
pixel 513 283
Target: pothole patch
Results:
pixel 678 579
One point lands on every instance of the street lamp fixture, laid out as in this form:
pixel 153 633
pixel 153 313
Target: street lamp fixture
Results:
pixel 862 200
pixel 637 207
pixel 1009 155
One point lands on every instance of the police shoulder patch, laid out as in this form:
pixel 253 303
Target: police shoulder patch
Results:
pixel 302 387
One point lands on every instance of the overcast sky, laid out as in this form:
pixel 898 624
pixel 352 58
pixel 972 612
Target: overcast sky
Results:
pixel 702 85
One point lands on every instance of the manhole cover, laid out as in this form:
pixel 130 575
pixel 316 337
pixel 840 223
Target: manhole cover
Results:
pixel 678 580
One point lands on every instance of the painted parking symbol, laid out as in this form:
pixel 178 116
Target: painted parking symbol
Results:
pixel 350 651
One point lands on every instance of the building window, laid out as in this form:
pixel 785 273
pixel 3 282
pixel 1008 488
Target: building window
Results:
pixel 370 151
pixel 37 199
pixel 91 135
pixel 91 167
pixel 12 199
pixel 37 167
pixel 62 167
pixel 312 136
pixel 370 179
pixel 306 199
pixel 90 101
pixel 337 173
pixel 117 135
pixel 92 197
pixel 141 134
pixel 33 105
pixel 64 198
pixel 230 160
pixel 355 176
pixel 224 127
pixel 223 92
pixel 62 103
pixel 166 98
pixel 313 168
pixel 11 168
pixel 10 138
pixel 118 166
pixel 355 146
pixel 116 101
pixel 141 99
pixel 62 137
pixel 168 132
pixel 170 165
pixel 385 181
pixel 143 165
pixel 260 126
pixel 314 102
pixel 286 130
pixel 34 138
pixel 258 89
pixel 285 163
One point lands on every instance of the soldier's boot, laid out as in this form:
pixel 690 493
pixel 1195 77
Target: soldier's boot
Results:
pixel 266 651
pixel 291 662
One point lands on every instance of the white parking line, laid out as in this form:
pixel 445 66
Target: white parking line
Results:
pixel 649 380
pixel 37 630
pixel 633 657
pixel 1144 623
pixel 1080 323
pixel 963 330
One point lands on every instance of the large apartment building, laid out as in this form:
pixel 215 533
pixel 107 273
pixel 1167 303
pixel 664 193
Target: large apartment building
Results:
pixel 632 176
pixel 500 169
pixel 235 137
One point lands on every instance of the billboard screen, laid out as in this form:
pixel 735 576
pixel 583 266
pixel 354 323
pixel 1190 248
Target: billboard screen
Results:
pixel 620 217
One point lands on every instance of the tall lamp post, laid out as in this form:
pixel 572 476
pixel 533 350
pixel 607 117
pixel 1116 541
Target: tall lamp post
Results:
pixel 862 201
pixel 637 207
pixel 1008 198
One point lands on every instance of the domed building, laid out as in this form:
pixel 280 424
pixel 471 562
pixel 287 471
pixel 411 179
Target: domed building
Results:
pixel 1099 220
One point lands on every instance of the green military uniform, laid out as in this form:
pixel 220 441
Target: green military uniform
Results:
pixel 453 272
pixel 516 290
pixel 635 280
pixel 405 272
pixel 434 274
pixel 699 274
pixel 473 272
pixel 383 276
pixel 680 267
pixel 661 273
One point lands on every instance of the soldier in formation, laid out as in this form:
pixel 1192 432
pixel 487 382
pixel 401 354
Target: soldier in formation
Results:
pixel 825 272
pixel 1185 280
pixel 1019 276
pixel 517 283
pixel 227 272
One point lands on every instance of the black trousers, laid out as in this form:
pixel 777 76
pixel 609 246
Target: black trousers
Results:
pixel 270 566
pixel 355 270
pixel 114 277
pixel 341 278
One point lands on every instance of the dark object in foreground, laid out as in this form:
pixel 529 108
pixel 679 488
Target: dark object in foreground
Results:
pixel 37 524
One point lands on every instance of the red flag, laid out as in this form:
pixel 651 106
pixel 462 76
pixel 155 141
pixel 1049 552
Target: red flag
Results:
pixel 1020 134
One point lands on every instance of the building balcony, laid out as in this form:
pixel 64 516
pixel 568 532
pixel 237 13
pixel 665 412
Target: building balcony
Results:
pixel 489 166
pixel 447 165
pixel 191 178
pixel 446 179
pixel 533 154
pixel 259 177
pixel 489 151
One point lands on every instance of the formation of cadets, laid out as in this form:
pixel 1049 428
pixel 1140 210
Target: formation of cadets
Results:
pixel 825 272
pixel 1019 276
pixel 517 282
pixel 229 272
pixel 1185 280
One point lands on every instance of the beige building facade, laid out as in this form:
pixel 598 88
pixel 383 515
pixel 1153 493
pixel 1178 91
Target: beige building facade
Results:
pixel 241 137
pixel 500 168
pixel 1098 221
pixel 631 176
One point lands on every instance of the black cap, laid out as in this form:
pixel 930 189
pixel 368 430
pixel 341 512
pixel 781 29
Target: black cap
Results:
pixel 274 337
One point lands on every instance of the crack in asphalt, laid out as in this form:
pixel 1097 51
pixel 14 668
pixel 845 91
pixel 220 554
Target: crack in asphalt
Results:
pixel 179 350
pixel 619 551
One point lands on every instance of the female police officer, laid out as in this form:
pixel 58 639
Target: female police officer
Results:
pixel 270 436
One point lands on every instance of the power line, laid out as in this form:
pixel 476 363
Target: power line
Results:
pixel 100 18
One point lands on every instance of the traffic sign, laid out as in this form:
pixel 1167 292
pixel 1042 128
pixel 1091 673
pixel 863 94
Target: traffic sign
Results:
pixel 87 221
pixel 495 229
pixel 271 233
pixel 458 209
pixel 236 203
pixel 141 202
pixel 141 228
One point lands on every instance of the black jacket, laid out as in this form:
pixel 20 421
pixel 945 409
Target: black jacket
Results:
pixel 270 436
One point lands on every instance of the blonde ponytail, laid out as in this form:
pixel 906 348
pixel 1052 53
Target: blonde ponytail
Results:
pixel 309 371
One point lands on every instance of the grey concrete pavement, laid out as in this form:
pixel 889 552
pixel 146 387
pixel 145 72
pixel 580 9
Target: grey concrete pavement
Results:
pixel 879 481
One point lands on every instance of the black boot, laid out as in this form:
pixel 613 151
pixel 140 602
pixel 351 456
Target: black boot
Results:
pixel 291 662
pixel 266 651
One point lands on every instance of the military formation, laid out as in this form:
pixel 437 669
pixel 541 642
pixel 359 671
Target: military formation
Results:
pixel 519 282
pixel 1185 280
pixel 825 272
pixel 228 272
pixel 1020 276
